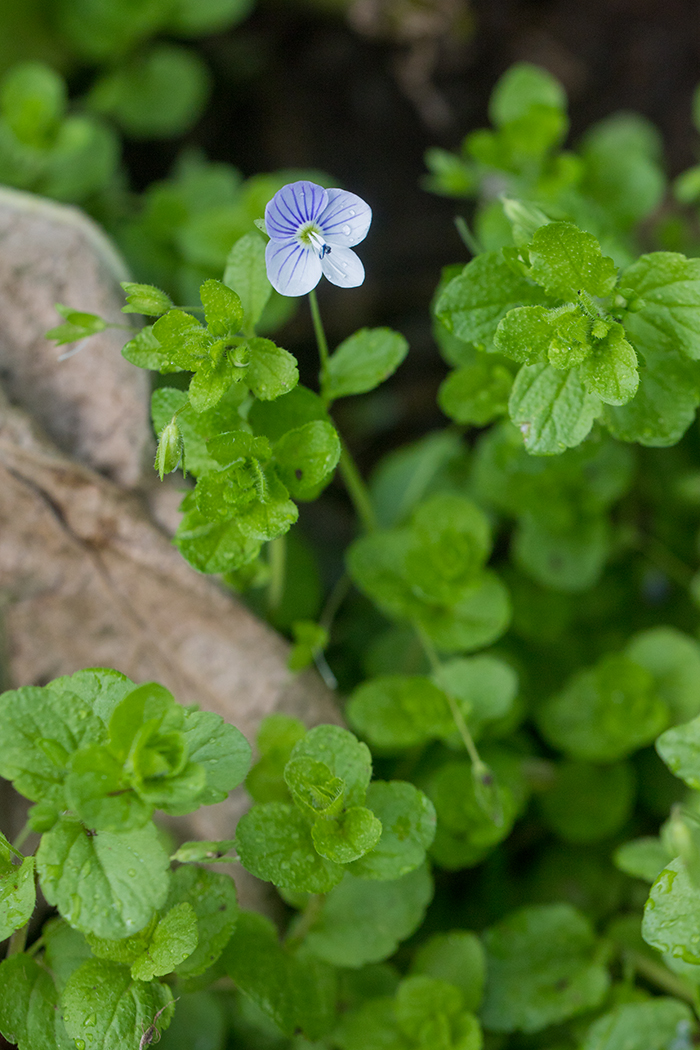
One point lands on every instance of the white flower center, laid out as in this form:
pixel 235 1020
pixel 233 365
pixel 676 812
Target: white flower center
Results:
pixel 311 236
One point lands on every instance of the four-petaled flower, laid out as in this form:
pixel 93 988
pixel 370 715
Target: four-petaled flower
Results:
pixel 312 232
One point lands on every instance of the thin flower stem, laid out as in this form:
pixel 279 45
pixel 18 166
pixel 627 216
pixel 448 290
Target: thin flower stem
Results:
pixel 466 235
pixel 17 941
pixel 486 790
pixel 320 334
pixel 21 839
pixel 357 490
pixel 657 974
pixel 457 715
pixel 278 572
pixel 307 920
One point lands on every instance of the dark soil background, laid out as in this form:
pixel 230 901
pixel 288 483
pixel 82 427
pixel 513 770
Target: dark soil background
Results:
pixel 321 86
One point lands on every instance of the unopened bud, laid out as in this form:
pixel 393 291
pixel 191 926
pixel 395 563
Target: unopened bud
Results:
pixel 145 299
pixel 170 449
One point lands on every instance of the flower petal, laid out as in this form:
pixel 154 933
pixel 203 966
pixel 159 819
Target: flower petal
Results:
pixel 292 206
pixel 342 267
pixel 292 268
pixel 345 219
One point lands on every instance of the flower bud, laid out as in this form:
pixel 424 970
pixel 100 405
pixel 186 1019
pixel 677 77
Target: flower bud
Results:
pixel 145 299
pixel 170 448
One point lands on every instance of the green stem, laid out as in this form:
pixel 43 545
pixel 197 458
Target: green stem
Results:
pixel 466 235
pixel 320 334
pixel 20 840
pixel 457 715
pixel 357 490
pixel 658 975
pixel 18 941
pixel 665 560
pixel 278 566
pixel 307 920
pixel 485 787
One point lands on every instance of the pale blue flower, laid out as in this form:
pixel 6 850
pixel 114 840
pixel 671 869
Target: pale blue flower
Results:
pixel 312 232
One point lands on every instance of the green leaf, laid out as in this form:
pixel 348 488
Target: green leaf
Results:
pixel 17 895
pixel 202 17
pixel 276 739
pixel 348 837
pixel 474 302
pixel 643 858
pixel 397 711
pixel 212 896
pixel 145 351
pixel 211 381
pixel 680 749
pixel 456 957
pixel 456 607
pixel 664 405
pixel 481 615
pixel 314 789
pixel 64 949
pixel 344 755
pixel 668 316
pixel 201 1022
pixel 476 394
pixel 588 803
pixel 33 101
pixel 158 93
pixel 430 1012
pixel 408 474
pixel 246 273
pixel 604 712
pixel 566 260
pixel 306 458
pixel 183 340
pixel 78 325
pixel 309 640
pixel 29 1012
pixel 673 659
pixel 362 362
pixel 204 852
pixel 522 86
pixel 407 819
pixel 145 299
pixel 611 370
pixel 297 993
pixel 173 940
pixel 273 842
pixel 541 968
pixel 363 921
pixel 653 1025
pixel 371 1026
pixel 223 310
pixel 525 334
pixel 272 371
pixel 99 792
pixel 567 555
pixel 107 884
pixel 483 686
pixel 214 546
pixel 221 750
pixel 672 914
pixel 465 832
pixel 103 999
pixel 288 412
pixel 42 728
pixel 553 408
